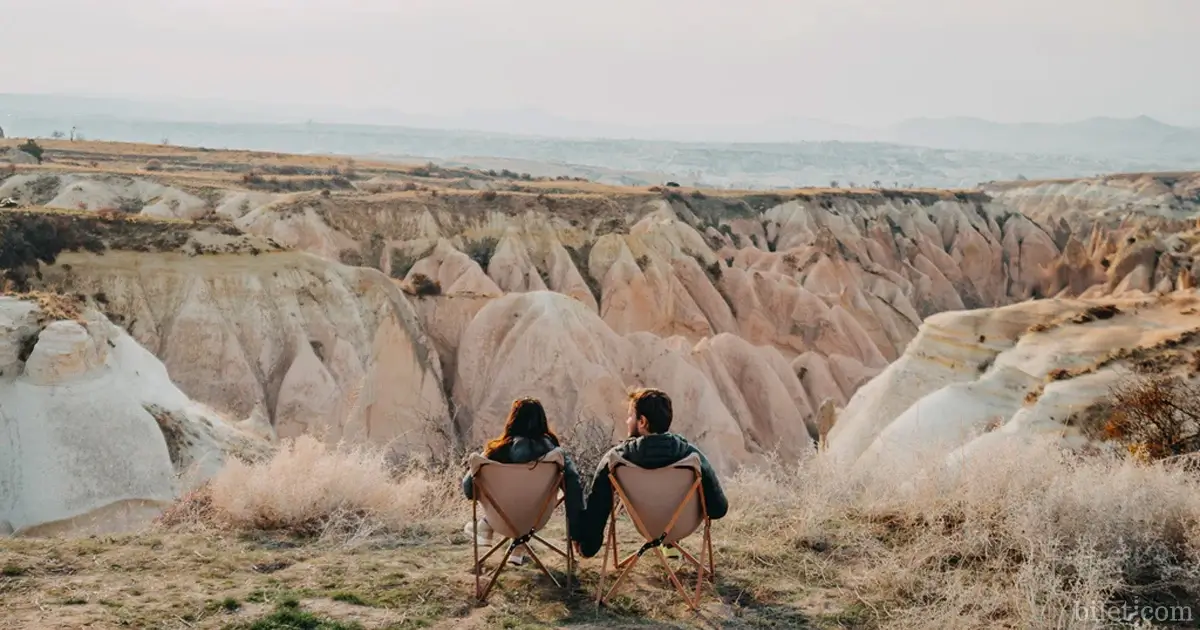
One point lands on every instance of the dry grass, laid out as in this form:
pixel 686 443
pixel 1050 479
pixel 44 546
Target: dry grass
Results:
pixel 312 489
pixel 1020 540
pixel 1015 541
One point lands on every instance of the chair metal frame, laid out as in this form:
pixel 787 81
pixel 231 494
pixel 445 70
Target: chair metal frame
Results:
pixel 480 492
pixel 705 570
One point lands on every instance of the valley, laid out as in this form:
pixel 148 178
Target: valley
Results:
pixel 168 310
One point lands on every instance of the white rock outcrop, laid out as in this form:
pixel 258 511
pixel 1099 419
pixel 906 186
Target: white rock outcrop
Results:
pixel 93 433
pixel 975 379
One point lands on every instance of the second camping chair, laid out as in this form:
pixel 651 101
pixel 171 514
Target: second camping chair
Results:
pixel 517 500
pixel 666 505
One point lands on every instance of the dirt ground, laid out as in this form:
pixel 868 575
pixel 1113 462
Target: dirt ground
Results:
pixel 163 579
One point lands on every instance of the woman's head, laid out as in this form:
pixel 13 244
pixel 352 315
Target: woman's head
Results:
pixel 526 419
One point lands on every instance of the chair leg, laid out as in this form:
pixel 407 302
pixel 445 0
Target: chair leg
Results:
pixel 712 574
pixel 550 546
pixel 570 559
pixel 538 562
pixel 475 540
pixel 495 574
pixel 626 561
pixel 610 545
pixel 495 548
pixel 689 557
pixel 674 579
pixel 621 577
pixel 603 570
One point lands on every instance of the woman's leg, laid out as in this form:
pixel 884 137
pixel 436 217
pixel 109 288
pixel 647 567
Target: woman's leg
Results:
pixel 482 529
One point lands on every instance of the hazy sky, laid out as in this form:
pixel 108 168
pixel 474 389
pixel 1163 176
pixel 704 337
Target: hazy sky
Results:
pixel 627 61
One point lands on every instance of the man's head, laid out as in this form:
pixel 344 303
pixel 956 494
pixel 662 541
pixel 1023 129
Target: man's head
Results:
pixel 649 412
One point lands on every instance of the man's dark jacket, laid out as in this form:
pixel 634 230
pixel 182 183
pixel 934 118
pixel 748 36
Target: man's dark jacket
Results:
pixel 648 451
pixel 525 451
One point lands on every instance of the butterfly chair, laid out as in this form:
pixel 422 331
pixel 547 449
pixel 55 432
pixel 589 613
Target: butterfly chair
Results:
pixel 518 501
pixel 666 505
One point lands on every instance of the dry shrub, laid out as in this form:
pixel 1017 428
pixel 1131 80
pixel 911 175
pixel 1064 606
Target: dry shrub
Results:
pixel 1022 538
pixel 586 443
pixel 312 489
pixel 1158 415
pixel 421 284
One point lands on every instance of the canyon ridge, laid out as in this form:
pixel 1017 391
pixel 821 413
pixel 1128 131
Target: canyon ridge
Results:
pixel 170 308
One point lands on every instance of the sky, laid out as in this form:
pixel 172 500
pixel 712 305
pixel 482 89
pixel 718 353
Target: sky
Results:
pixel 863 62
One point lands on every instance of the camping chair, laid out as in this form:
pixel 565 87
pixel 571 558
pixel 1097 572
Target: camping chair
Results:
pixel 666 505
pixel 518 501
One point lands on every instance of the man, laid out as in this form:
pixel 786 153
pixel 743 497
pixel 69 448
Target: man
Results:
pixel 650 445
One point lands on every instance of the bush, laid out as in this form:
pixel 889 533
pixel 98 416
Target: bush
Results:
pixel 481 251
pixel 1020 538
pixel 351 257
pixel 29 240
pixel 32 148
pixel 1157 415
pixel 308 489
pixel 422 284
pixel 154 165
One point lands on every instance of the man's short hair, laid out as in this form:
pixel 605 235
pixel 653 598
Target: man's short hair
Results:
pixel 655 406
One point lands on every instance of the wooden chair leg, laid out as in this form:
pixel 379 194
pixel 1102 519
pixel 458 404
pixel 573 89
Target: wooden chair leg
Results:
pixel 479 563
pixel 662 558
pixel 621 577
pixel 610 545
pixel 570 558
pixel 538 562
pixel 712 574
pixel 495 574
pixel 475 540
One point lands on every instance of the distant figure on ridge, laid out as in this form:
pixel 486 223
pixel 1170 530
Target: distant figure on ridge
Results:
pixel 650 445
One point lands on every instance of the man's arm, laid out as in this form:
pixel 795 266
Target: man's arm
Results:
pixel 595 515
pixel 714 497
pixel 573 495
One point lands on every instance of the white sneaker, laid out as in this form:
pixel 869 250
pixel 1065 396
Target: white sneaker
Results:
pixel 482 529
pixel 518 556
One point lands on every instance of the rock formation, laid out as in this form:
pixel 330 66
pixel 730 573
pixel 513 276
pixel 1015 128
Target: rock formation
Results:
pixel 973 379
pixel 578 295
pixel 94 431
pixel 318 347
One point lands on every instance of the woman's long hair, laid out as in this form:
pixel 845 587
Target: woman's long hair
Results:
pixel 526 419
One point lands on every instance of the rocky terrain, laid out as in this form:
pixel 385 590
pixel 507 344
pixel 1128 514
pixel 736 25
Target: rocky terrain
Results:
pixel 973 380
pixel 95 432
pixel 407 306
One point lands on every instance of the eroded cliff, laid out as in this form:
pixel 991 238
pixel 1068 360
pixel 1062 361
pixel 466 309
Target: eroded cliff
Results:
pixel 771 304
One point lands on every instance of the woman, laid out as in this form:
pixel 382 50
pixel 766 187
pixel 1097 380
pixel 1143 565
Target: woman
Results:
pixel 527 438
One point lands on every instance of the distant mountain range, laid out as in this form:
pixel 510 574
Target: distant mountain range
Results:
pixel 1109 137
pixel 946 152
pixel 1128 138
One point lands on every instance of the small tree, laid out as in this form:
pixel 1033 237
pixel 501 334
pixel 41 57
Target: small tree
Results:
pixel 1157 415
pixel 833 184
pixel 33 149
pixel 57 135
